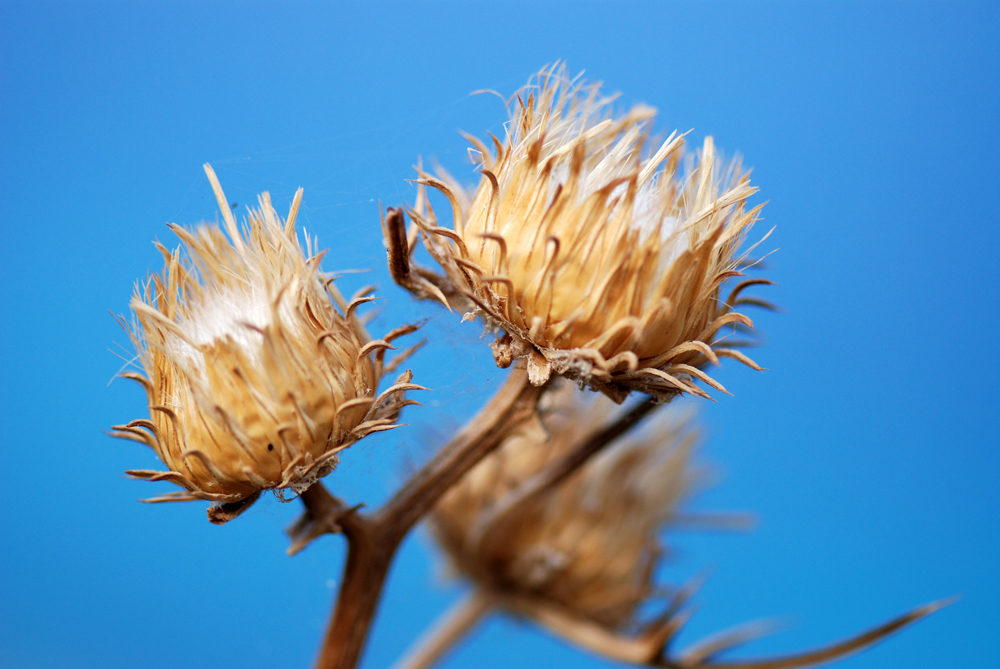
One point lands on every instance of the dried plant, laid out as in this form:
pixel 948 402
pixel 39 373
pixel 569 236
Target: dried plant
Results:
pixel 258 373
pixel 593 260
pixel 588 546
pixel 580 559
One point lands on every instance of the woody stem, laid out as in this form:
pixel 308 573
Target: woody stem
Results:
pixel 447 631
pixel 373 540
pixel 556 472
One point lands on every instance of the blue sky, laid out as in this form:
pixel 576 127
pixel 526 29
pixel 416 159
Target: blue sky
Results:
pixel 868 450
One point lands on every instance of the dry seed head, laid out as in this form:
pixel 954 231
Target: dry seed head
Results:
pixel 590 545
pixel 598 260
pixel 257 371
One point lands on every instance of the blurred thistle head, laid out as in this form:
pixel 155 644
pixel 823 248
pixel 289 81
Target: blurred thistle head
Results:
pixel 597 259
pixel 589 546
pixel 257 371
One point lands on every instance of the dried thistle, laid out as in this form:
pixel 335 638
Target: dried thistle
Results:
pixel 588 546
pixel 597 261
pixel 579 558
pixel 257 371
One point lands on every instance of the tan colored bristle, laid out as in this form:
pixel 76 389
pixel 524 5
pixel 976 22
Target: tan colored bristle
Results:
pixel 595 262
pixel 257 371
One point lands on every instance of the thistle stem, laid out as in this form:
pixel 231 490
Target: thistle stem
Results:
pixel 373 540
pixel 556 472
pixel 514 403
pixel 447 631
pixel 369 556
pixel 323 515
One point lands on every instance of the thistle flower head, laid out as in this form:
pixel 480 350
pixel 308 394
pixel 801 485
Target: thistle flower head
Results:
pixel 257 372
pixel 598 260
pixel 588 546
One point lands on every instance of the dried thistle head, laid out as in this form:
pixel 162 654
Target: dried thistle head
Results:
pixel 579 558
pixel 597 260
pixel 590 545
pixel 257 371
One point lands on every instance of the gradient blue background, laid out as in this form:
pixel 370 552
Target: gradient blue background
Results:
pixel 869 449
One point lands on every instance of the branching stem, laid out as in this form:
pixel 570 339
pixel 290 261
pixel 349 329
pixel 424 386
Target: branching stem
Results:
pixel 557 471
pixel 373 539
pixel 447 631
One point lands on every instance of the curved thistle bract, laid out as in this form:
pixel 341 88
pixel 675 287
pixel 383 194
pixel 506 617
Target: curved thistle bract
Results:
pixel 596 261
pixel 257 371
